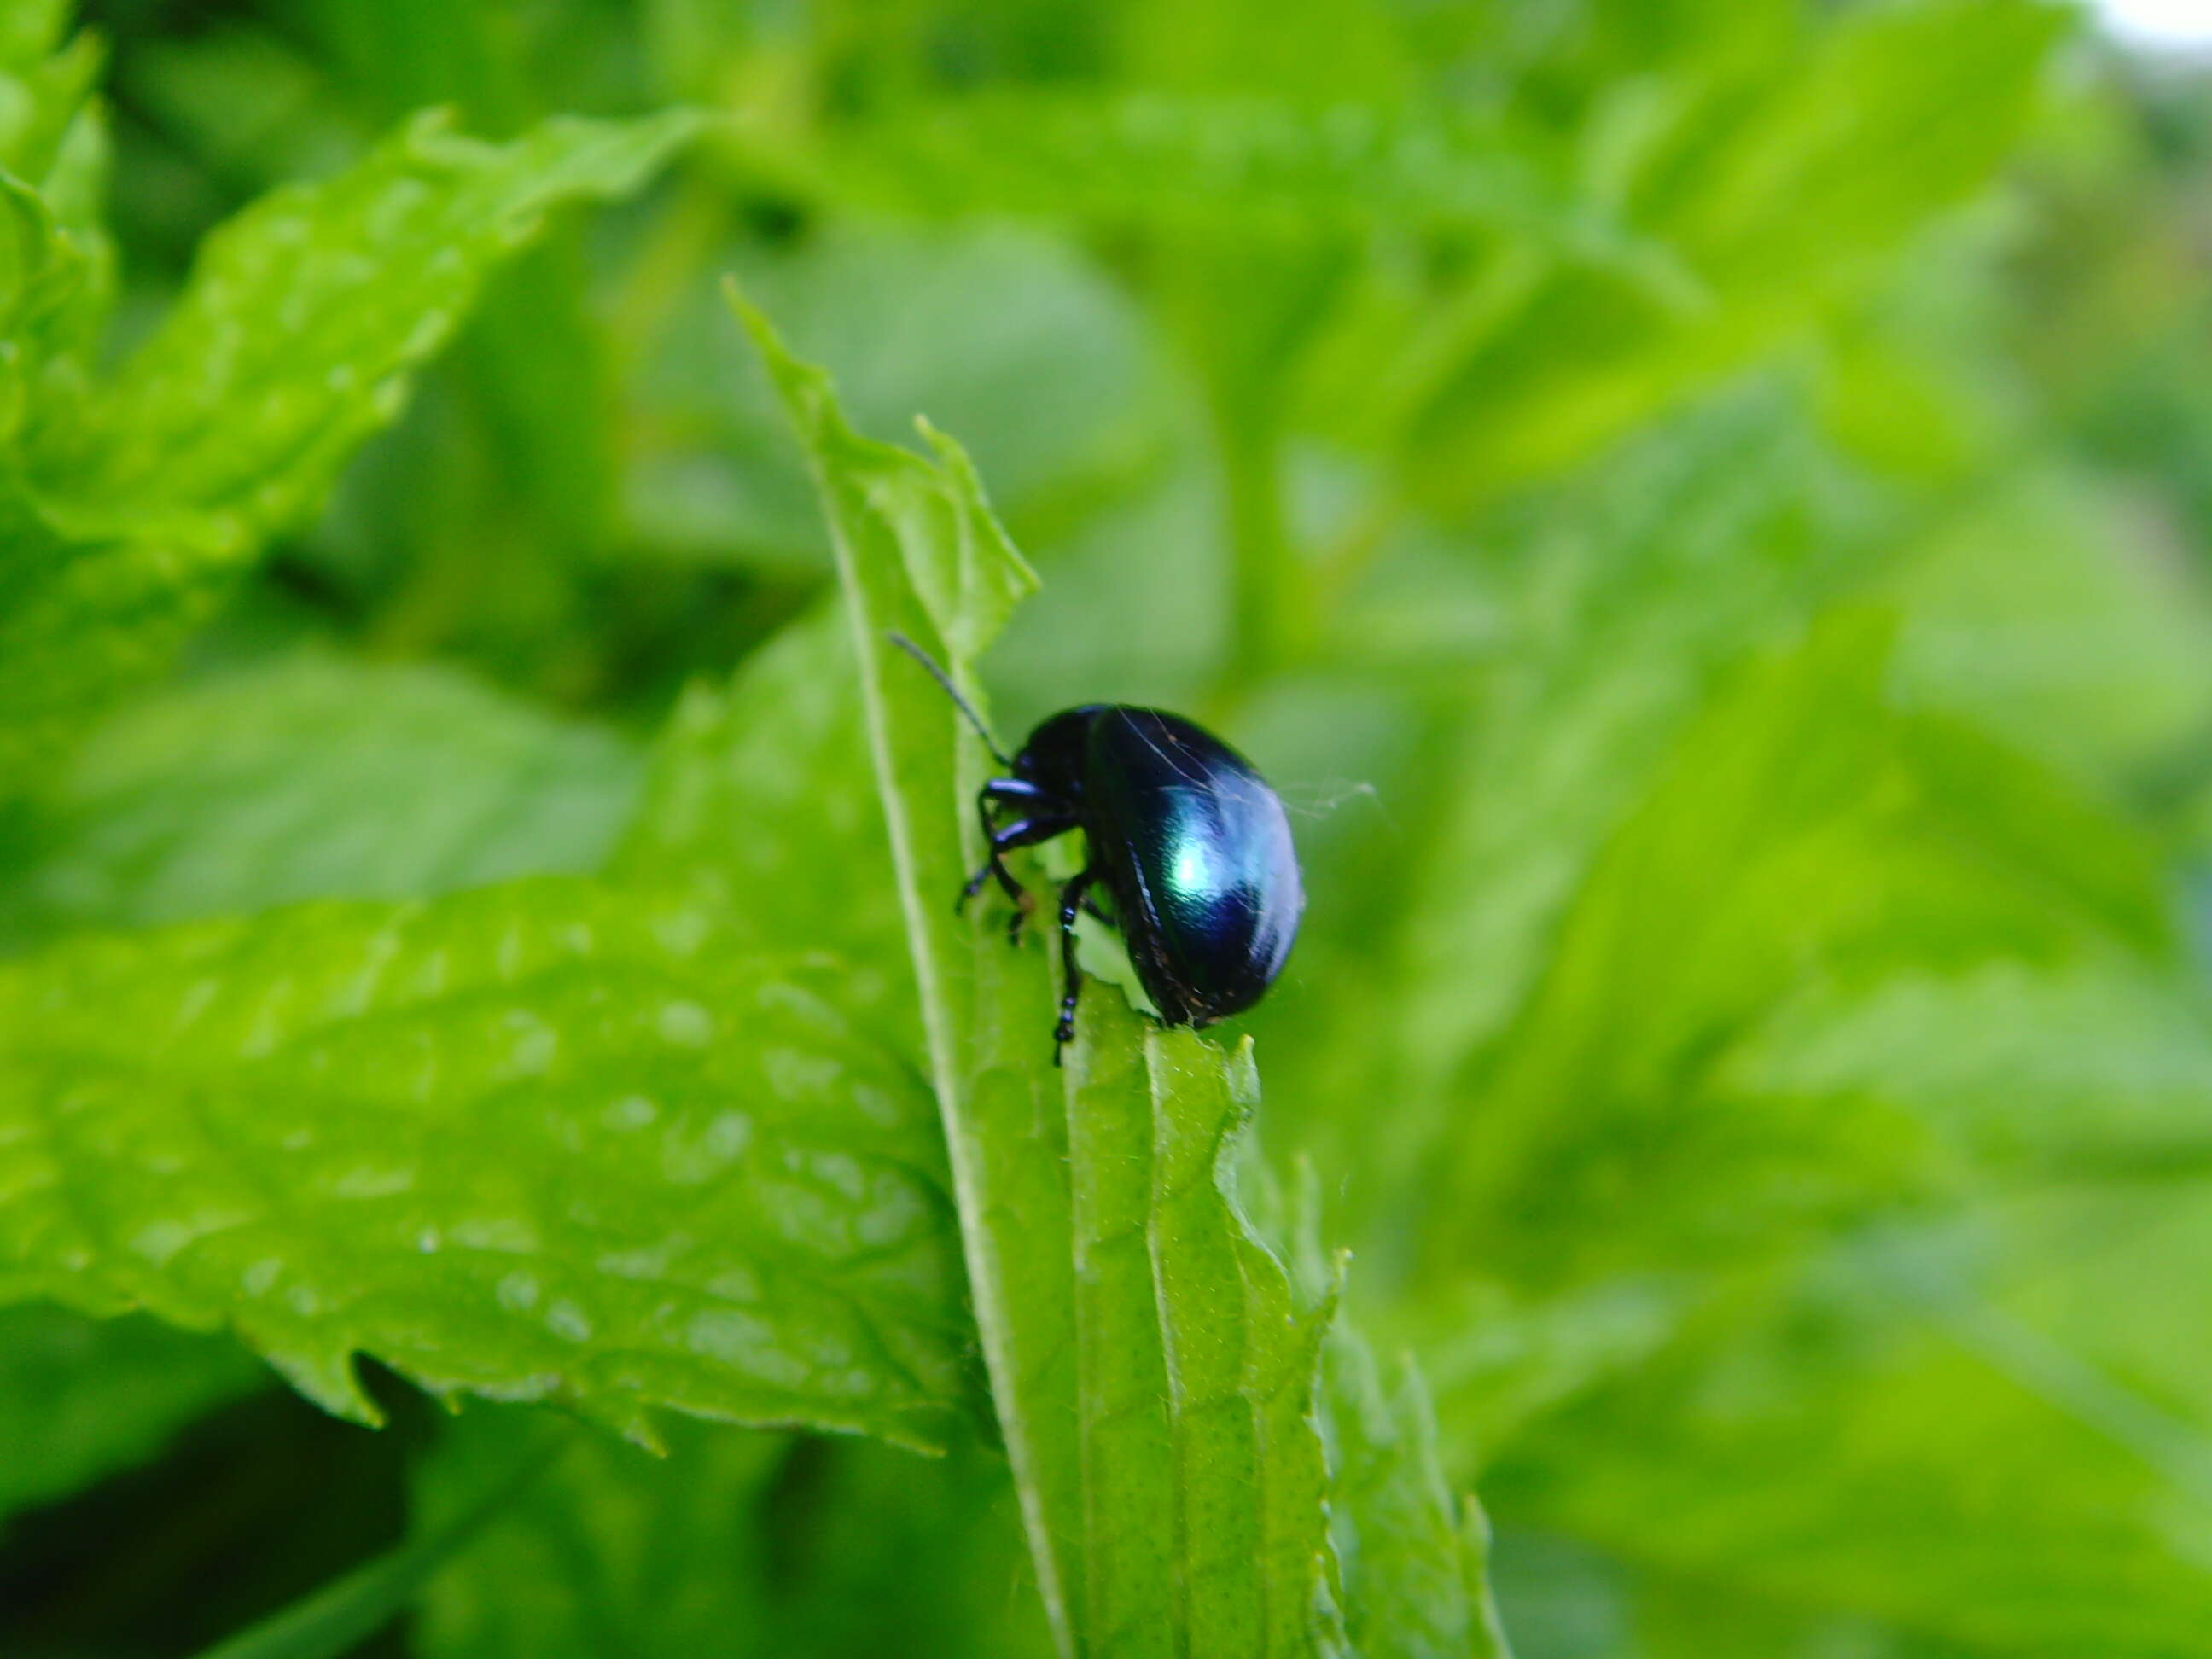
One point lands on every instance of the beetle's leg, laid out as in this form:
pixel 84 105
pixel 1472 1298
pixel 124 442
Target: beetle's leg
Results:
pixel 1070 900
pixel 1023 832
pixel 999 789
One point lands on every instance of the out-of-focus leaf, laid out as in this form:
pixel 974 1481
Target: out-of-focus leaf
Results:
pixel 1152 1381
pixel 1951 1479
pixel 246 104
pixel 305 315
pixel 1155 160
pixel 53 284
pixel 86 618
pixel 1807 845
pixel 1326 50
pixel 1412 1554
pixel 544 1140
pixel 1803 830
pixel 2103 1268
pixel 315 777
pixel 1783 198
pixel 56 264
pixel 668 1553
pixel 295 339
pixel 2052 618
pixel 998 334
pixel 1415 1556
pixel 1630 595
pixel 82 1398
pixel 2103 1064
pixel 737 1544
pixel 45 90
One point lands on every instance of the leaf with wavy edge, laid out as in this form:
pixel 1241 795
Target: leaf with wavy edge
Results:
pixel 546 1141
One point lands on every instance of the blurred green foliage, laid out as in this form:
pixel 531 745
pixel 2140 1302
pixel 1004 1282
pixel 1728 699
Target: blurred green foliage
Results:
pixel 1700 506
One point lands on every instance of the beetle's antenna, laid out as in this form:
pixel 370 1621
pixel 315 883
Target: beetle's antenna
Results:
pixel 953 692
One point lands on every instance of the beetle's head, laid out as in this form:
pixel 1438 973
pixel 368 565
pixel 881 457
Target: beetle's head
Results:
pixel 1057 753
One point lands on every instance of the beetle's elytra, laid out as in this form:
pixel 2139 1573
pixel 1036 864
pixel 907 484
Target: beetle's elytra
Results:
pixel 1188 842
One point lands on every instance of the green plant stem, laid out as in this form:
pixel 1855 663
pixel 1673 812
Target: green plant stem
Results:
pixel 351 1608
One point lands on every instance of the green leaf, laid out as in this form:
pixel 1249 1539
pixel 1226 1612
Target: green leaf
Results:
pixel 56 262
pixel 1003 335
pixel 304 322
pixel 1953 1480
pixel 1153 1383
pixel 47 123
pixel 760 804
pixel 1163 162
pixel 53 291
pixel 81 1399
pixel 2101 1064
pixel 315 776
pixel 1803 830
pixel 2050 617
pixel 306 315
pixel 1785 186
pixel 1807 845
pixel 550 1139
pixel 666 1552
pixel 1413 1554
pixel 1630 594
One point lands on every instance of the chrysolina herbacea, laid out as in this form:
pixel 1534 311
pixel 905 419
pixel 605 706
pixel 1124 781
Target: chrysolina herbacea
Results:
pixel 1191 845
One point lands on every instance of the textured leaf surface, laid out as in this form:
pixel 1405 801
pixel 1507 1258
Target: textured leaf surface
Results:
pixel 759 803
pixel 541 1140
pixel 1204 1482
pixel 1006 1136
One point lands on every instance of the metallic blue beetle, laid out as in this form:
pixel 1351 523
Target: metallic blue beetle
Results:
pixel 1190 844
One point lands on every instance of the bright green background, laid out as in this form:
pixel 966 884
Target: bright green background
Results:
pixel 1699 505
